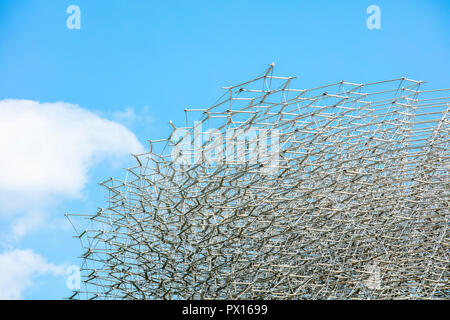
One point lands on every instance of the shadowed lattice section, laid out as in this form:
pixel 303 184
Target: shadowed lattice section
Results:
pixel 351 202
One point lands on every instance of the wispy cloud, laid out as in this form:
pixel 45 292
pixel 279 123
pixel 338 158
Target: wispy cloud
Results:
pixel 18 268
pixel 133 117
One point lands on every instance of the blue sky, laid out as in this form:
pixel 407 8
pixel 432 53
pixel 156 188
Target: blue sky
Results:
pixel 135 65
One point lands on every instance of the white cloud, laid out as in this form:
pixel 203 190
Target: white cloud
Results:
pixel 48 147
pixel 28 222
pixel 19 267
pixel 46 152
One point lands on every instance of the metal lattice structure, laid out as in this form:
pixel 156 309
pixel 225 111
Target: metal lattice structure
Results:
pixel 354 205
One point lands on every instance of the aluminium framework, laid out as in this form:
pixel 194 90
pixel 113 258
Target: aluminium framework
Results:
pixel 355 206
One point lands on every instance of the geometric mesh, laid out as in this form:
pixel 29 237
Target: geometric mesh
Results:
pixel 350 199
